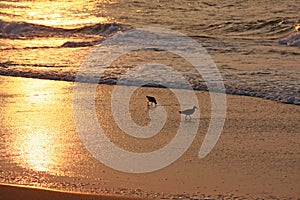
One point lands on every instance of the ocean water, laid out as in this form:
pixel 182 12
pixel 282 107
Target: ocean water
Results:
pixel 254 44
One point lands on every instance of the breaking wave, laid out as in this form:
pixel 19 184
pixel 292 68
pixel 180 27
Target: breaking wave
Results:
pixel 28 30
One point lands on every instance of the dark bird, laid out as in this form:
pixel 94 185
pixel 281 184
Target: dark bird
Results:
pixel 188 112
pixel 151 100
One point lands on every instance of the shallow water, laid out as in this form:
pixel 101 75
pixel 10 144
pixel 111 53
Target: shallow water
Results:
pixel 253 43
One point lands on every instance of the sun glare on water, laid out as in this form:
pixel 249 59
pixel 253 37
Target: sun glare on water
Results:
pixel 38 140
pixel 64 14
pixel 37 152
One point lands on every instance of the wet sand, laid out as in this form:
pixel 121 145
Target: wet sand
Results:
pixel 257 155
pixel 12 192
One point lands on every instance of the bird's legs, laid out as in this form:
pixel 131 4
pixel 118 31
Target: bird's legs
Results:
pixel 189 117
pixel 149 103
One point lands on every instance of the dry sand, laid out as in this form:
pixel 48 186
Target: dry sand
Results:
pixel 257 155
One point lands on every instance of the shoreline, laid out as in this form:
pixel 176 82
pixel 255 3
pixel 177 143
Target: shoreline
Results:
pixel 201 88
pixel 257 155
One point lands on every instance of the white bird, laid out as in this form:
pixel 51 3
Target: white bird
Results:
pixel 188 112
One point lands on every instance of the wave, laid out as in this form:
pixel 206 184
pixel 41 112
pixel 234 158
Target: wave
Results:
pixel 293 39
pixel 275 94
pixel 72 44
pixel 28 30
pixel 275 28
pixel 268 29
pixel 267 24
pixel 263 28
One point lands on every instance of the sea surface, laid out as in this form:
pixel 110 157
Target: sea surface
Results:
pixel 255 45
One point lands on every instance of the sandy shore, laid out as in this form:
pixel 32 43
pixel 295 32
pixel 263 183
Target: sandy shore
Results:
pixel 257 155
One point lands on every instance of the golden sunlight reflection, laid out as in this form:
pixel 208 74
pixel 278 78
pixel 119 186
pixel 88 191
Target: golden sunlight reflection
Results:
pixel 38 93
pixel 37 151
pixel 39 136
pixel 40 42
pixel 69 14
pixel 37 97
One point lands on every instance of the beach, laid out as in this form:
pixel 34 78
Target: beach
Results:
pixel 256 157
pixel 22 192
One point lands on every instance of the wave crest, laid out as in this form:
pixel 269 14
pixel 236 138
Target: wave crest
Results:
pixel 28 30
